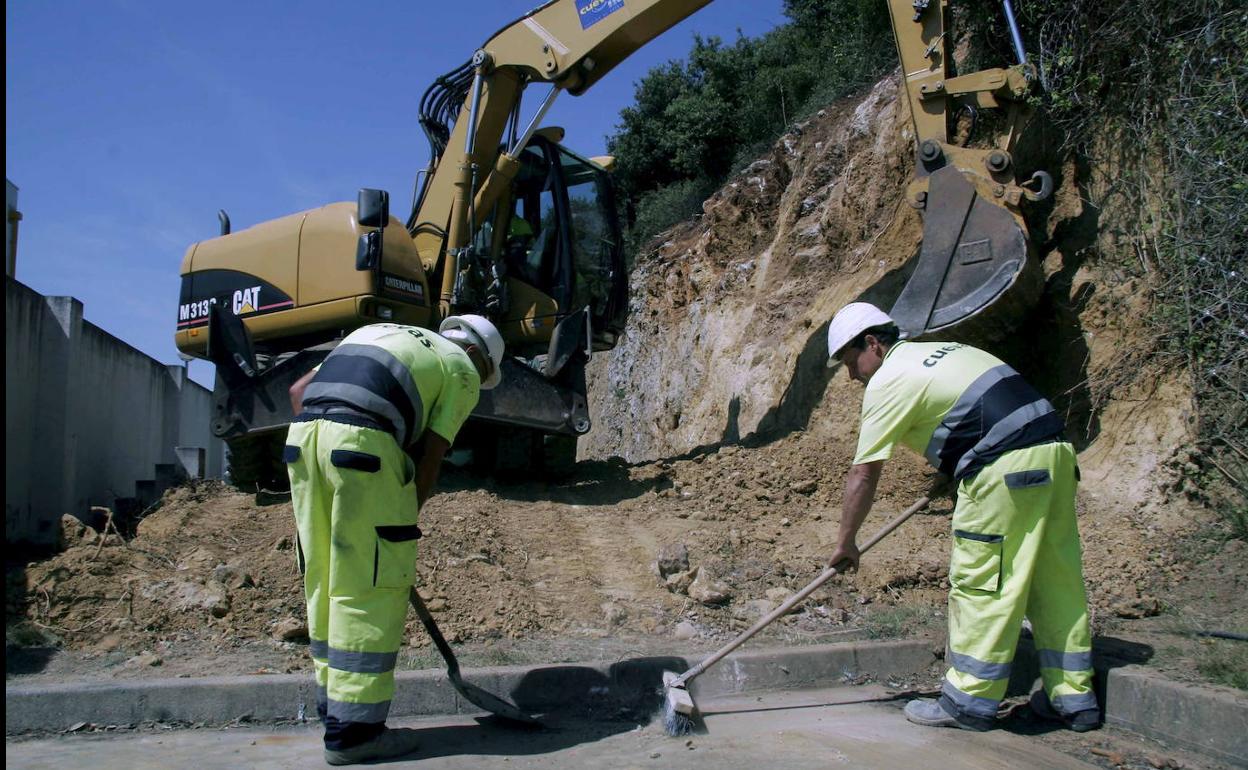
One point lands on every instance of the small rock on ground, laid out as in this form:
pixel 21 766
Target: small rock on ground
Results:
pixel 672 558
pixel 708 590
pixel 290 629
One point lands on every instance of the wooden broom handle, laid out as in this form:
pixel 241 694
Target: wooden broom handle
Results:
pixel 800 596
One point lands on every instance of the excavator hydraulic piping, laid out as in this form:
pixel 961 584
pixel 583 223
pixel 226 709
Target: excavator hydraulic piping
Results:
pixel 537 119
pixel 1015 35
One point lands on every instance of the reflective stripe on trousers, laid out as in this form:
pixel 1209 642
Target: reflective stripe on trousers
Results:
pixel 355 513
pixel 1016 553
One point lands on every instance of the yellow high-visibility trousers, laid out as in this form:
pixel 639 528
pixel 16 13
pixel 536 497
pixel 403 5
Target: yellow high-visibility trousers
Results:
pixel 355 504
pixel 1016 553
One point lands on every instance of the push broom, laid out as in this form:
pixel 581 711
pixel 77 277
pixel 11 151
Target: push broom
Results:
pixel 678 706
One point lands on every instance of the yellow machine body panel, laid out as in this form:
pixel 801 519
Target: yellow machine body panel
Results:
pixel 295 278
pixel 327 242
pixel 531 317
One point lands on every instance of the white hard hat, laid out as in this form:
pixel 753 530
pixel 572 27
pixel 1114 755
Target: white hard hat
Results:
pixel 477 330
pixel 852 320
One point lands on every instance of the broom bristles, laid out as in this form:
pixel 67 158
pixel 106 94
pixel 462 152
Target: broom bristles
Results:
pixel 675 723
pixel 678 707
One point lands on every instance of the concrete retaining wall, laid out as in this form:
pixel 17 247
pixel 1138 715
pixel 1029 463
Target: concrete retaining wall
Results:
pixel 89 419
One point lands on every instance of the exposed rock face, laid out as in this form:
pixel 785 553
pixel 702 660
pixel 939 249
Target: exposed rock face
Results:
pixel 728 317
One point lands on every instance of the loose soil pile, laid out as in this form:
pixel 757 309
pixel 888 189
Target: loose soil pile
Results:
pixel 536 572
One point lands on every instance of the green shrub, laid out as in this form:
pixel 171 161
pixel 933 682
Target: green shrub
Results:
pixel 659 209
pixel 692 121
pixel 1151 97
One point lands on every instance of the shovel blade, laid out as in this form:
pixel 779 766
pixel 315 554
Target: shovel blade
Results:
pixel 471 693
pixel 490 702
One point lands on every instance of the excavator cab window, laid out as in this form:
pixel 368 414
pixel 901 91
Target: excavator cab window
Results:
pixel 562 233
pixel 596 252
pixel 531 249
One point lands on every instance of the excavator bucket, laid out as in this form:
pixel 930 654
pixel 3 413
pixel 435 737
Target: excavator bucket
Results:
pixel 974 256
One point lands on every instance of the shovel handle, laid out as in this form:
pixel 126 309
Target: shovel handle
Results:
pixel 439 641
pixel 799 597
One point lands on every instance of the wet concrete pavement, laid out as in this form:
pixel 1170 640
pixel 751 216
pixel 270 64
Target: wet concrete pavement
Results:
pixel 839 727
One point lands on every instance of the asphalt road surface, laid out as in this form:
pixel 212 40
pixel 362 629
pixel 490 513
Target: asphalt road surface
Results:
pixel 842 727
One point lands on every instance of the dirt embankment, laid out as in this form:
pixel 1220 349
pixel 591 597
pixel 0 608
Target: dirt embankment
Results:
pixel 734 439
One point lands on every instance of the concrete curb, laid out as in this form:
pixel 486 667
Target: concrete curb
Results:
pixel 628 686
pixel 1206 719
pixel 1211 721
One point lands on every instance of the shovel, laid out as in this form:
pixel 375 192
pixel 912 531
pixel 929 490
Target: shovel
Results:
pixel 473 694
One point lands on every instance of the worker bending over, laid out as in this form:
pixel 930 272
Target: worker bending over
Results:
pixel 385 389
pixel 1015 540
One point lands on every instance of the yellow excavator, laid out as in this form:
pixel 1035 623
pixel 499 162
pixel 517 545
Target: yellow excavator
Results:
pixel 509 223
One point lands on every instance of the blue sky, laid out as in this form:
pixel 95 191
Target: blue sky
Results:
pixel 129 123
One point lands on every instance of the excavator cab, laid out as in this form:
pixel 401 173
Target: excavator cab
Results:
pixel 560 237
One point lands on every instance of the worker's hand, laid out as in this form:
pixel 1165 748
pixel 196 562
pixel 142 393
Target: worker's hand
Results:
pixel 943 486
pixel 845 557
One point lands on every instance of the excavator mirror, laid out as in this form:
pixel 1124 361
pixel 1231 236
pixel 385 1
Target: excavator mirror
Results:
pixel 373 208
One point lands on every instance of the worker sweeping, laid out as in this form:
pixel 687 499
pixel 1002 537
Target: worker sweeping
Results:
pixel 1015 541
pixel 384 391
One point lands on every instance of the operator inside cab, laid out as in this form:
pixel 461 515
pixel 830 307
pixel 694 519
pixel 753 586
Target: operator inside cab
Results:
pixel 519 252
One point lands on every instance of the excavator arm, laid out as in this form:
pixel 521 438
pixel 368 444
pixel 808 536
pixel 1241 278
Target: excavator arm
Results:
pixel 975 253
pixel 569 44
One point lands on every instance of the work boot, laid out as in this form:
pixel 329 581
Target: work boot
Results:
pixel 1080 721
pixel 929 713
pixel 389 745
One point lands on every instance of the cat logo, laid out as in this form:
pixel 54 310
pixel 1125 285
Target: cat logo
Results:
pixel 246 300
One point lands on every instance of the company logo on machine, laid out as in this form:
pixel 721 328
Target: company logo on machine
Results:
pixel 243 294
pixel 593 11
pixel 403 286
pixel 246 300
